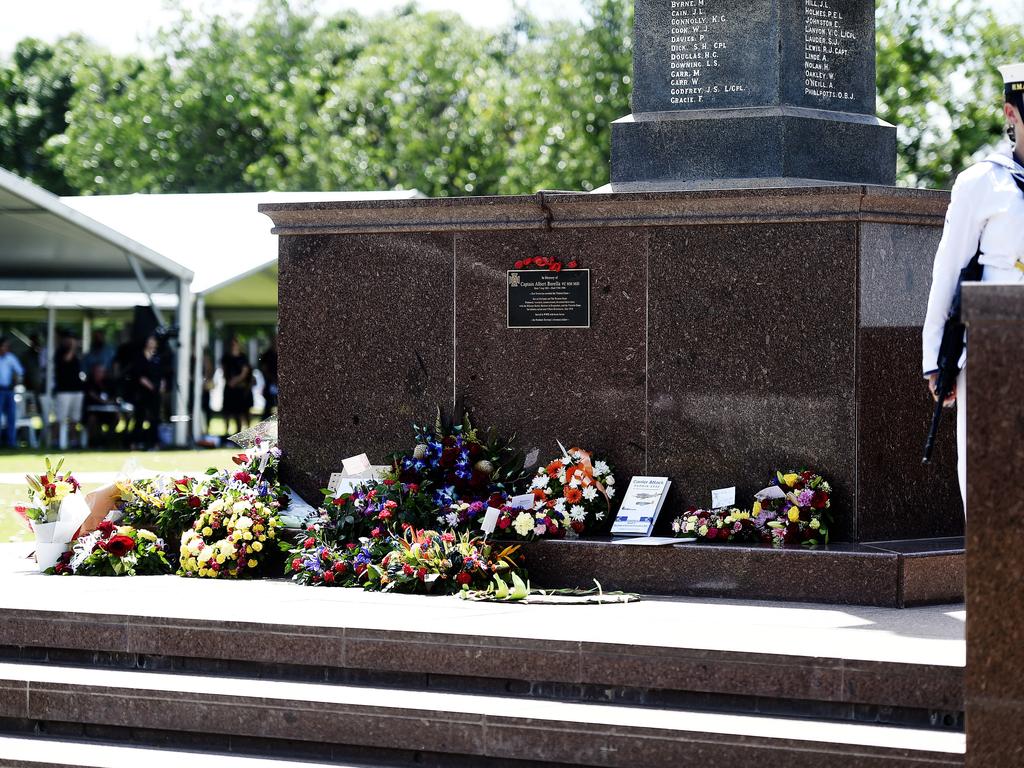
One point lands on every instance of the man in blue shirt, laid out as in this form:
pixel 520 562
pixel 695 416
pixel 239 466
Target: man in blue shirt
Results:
pixel 10 373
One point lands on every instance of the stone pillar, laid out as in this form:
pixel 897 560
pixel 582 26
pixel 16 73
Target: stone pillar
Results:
pixel 730 93
pixel 994 689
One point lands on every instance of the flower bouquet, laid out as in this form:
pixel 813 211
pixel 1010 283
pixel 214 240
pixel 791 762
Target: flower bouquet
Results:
pixel 377 508
pixel 794 510
pixel 111 550
pixel 52 513
pixel 577 487
pixel 547 520
pixel 231 539
pixel 316 563
pixel 453 461
pixel 724 525
pixel 428 562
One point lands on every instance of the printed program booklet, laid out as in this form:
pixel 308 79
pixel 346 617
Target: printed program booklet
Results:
pixel 640 506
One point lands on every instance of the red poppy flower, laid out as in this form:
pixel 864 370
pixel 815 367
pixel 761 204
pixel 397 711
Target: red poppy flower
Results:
pixel 519 264
pixel 556 267
pixel 572 264
pixel 540 261
pixel 118 546
pixel 528 262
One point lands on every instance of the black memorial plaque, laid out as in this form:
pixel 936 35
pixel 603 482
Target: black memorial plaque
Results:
pixel 545 299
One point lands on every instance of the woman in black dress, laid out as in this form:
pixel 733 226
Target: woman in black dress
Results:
pixel 238 398
pixel 149 384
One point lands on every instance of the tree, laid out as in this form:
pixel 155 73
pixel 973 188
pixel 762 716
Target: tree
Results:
pixel 36 87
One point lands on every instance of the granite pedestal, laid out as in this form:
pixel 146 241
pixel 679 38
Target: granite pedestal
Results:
pixel 733 333
pixel 995 524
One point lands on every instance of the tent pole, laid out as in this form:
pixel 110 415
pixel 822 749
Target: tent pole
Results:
pixel 199 427
pixel 51 355
pixel 182 370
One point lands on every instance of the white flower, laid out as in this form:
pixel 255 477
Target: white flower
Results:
pixel 560 505
pixel 610 480
pixel 601 468
pixel 243 522
pixel 590 493
pixel 561 477
pixel 575 483
pixel 452 518
pixel 599 516
pixel 540 529
pixel 610 491
pixel 540 482
pixel 577 514
pixel 576 454
pixel 523 523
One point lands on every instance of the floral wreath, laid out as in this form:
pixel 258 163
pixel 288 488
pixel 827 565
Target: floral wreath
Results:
pixel 577 487
pixel 549 263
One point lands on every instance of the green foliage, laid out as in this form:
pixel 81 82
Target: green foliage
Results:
pixel 292 99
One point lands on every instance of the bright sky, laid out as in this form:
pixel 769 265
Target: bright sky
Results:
pixel 120 25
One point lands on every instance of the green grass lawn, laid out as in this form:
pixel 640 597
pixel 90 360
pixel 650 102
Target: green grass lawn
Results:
pixel 12 528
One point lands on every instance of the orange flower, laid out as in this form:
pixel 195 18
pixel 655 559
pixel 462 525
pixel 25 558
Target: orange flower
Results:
pixel 554 468
pixel 539 494
pixel 573 495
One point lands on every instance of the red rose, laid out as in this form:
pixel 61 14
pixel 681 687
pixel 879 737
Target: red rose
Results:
pixel 389 482
pixel 118 546
pixel 421 574
pixel 308 543
pixel 195 502
pixel 578 526
pixel 360 569
pixel 377 533
pixel 712 533
pixel 351 545
pixel 504 522
pixel 106 527
pixel 820 500
pixel 329 577
pixel 407 569
pixel 519 264
pixel 463 578
pixel 243 477
pixel 296 563
pixel 807 476
pixel 413 487
pixel 340 567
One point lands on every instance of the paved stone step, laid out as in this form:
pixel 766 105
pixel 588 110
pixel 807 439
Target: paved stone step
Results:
pixel 35 752
pixel 475 726
pixel 889 689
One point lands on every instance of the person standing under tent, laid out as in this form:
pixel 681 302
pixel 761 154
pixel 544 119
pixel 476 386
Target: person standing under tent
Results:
pixel 11 371
pixel 149 382
pixel 238 399
pixel 268 367
pixel 985 218
pixel 69 386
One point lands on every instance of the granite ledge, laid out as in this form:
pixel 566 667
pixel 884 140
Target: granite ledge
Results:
pixel 993 303
pixel 558 210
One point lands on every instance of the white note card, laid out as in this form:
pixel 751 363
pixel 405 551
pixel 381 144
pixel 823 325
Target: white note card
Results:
pixel 356 465
pixel 723 497
pixel 771 492
pixel 490 521
pixel 522 502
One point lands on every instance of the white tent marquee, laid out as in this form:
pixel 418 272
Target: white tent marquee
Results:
pixel 56 259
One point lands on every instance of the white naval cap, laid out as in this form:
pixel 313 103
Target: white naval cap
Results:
pixel 1013 76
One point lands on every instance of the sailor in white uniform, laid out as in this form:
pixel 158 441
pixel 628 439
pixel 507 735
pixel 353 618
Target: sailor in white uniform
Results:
pixel 986 216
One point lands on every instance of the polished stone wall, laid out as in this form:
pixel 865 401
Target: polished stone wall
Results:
pixel 733 332
pixel 994 685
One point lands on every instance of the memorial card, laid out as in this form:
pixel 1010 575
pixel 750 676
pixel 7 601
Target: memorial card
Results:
pixel 723 497
pixel 640 506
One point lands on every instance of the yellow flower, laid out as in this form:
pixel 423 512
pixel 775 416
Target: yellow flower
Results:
pixel 757 508
pixel 253 563
pixel 221 559
pixel 207 531
pixel 262 537
pixel 791 479
pixel 794 514
pixel 147 535
pixel 815 524
pixel 247 536
pixel 257 546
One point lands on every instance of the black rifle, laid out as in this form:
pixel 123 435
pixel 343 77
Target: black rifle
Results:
pixel 951 350
pixel 953 342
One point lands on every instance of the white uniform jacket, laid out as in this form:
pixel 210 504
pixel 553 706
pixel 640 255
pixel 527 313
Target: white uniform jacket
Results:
pixel 987 210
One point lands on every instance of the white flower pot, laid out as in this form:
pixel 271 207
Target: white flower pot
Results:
pixel 44 532
pixel 47 555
